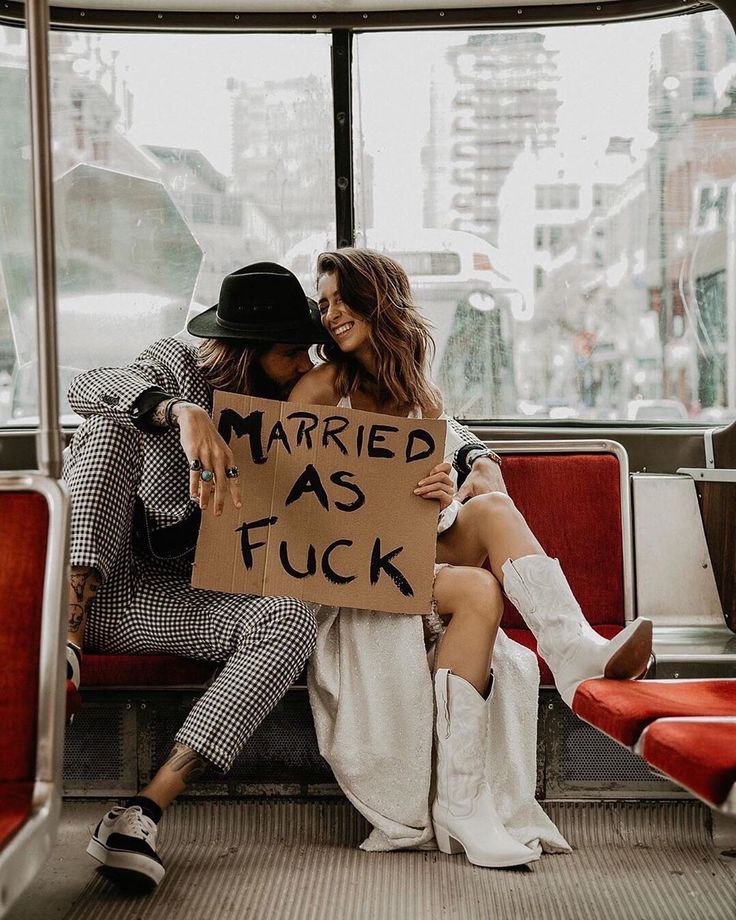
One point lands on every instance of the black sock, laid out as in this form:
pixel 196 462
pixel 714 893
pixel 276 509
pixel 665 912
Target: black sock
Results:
pixel 149 808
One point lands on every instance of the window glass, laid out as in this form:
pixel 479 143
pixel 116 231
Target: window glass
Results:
pixel 177 159
pixel 602 199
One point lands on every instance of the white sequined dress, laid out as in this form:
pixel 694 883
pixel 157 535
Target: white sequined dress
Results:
pixel 370 687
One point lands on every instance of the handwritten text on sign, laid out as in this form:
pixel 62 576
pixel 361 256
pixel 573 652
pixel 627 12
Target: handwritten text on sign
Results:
pixel 328 513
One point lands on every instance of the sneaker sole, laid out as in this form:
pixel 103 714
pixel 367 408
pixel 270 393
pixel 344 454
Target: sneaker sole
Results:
pixel 125 867
pixel 633 658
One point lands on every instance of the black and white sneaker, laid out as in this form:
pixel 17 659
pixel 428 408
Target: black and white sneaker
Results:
pixel 73 663
pixel 73 677
pixel 125 843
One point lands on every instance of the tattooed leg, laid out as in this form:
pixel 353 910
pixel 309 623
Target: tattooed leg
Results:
pixel 83 586
pixel 183 767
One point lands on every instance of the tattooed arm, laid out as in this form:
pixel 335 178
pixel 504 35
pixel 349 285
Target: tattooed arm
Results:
pixel 83 586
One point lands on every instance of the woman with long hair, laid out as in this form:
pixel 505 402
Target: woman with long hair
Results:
pixel 378 361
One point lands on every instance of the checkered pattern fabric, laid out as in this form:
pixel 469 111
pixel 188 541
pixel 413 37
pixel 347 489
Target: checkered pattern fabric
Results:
pixel 113 392
pixel 466 436
pixel 146 604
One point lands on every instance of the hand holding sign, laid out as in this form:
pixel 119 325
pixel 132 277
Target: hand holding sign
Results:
pixel 438 486
pixel 329 509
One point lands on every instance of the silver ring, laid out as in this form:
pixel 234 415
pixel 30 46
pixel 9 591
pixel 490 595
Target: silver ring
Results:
pixel 207 475
pixel 232 472
pixel 195 465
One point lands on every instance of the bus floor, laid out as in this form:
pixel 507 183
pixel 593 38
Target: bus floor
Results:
pixel 298 860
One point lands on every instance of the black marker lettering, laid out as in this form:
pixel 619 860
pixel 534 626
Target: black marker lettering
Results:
pixel 309 481
pixel 278 434
pixel 379 562
pixel 304 431
pixel 359 439
pixel 327 570
pixel 246 547
pixel 374 437
pixel 332 432
pixel 250 425
pixel 311 561
pixel 338 478
pixel 422 435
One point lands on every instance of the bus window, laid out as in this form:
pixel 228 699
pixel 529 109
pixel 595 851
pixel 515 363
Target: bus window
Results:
pixel 606 194
pixel 162 184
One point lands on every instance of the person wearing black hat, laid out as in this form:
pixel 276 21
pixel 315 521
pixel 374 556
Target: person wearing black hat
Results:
pixel 141 469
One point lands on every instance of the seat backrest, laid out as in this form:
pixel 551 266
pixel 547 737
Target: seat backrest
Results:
pixel 24 518
pixel 34 516
pixel 573 504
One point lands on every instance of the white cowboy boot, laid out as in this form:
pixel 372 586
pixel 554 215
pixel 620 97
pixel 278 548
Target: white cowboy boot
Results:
pixel 463 812
pixel 568 643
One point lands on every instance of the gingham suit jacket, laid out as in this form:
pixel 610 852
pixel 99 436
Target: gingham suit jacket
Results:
pixel 125 394
pixel 166 368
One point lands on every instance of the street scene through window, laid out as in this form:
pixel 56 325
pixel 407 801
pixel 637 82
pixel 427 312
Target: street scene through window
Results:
pixel 569 225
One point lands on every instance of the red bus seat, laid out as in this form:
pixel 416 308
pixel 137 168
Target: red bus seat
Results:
pixel 137 672
pixel 33 532
pixel 573 504
pixel 23 536
pixel 144 671
pixel 623 709
pixel 15 807
pixel 698 754
pixel 685 729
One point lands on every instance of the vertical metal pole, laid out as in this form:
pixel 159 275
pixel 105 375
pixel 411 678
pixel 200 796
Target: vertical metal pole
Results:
pixel 48 438
pixel 342 88
pixel 728 7
pixel 730 305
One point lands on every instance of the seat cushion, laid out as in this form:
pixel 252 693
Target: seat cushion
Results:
pixel 525 637
pixel 15 808
pixel 622 709
pixel 144 671
pixel 572 502
pixel 697 754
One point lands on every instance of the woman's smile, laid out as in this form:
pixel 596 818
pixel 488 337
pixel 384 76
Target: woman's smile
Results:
pixel 338 331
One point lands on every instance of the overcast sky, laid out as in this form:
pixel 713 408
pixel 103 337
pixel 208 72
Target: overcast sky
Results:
pixel 179 86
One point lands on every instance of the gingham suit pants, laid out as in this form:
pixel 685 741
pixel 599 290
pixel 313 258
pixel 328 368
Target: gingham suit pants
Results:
pixel 147 606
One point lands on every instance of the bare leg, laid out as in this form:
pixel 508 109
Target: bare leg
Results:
pixel 488 526
pixel 83 586
pixel 183 766
pixel 464 812
pixel 473 598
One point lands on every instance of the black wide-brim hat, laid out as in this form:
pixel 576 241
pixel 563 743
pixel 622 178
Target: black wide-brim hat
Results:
pixel 263 302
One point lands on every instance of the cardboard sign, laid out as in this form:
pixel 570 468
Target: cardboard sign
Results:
pixel 328 512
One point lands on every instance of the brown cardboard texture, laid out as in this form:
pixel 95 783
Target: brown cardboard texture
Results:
pixel 329 514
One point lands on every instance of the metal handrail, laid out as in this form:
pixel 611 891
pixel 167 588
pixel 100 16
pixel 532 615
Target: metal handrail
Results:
pixel 237 17
pixel 48 437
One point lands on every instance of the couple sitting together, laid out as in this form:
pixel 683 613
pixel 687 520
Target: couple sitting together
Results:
pixel 429 723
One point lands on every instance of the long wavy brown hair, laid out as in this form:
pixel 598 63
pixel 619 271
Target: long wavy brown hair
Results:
pixel 232 365
pixel 376 288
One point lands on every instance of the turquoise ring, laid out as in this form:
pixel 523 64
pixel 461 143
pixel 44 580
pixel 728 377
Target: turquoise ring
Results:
pixel 207 475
